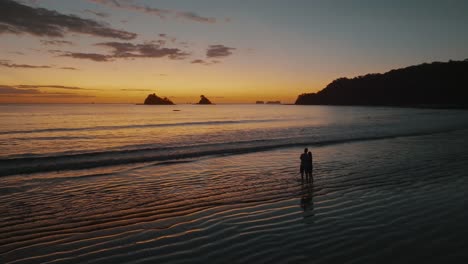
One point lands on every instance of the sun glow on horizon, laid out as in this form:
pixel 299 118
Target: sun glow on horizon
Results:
pixel 121 51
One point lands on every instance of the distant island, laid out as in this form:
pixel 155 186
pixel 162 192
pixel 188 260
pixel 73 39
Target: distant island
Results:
pixel 259 102
pixel 153 99
pixel 438 84
pixel 273 102
pixel 204 100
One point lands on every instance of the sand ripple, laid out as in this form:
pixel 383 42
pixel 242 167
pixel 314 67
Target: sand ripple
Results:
pixel 391 200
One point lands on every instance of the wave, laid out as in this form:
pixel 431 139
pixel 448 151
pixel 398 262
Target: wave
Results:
pixel 95 128
pixel 28 164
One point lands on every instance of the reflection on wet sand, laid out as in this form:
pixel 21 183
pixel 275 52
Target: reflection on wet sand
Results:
pixel 307 201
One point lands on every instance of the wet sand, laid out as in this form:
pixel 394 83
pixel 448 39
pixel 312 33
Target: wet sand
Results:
pixel 380 201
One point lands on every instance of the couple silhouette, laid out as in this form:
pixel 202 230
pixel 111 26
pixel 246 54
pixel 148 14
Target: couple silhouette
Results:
pixel 306 165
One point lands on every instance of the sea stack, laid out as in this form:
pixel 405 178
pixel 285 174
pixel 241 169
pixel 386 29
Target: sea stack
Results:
pixel 204 100
pixel 153 99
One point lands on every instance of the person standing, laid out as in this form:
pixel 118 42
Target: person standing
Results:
pixel 304 161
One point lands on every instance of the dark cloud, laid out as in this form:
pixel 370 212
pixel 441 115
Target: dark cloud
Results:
pixel 88 56
pixel 24 86
pixel 69 68
pixel 198 62
pixel 56 42
pixel 203 62
pixel 217 51
pixel 64 95
pixel 16 18
pixel 162 13
pixel 126 50
pixel 5 63
pixel 34 90
pixel 6 89
pixel 8 64
pixel 145 50
pixel 99 14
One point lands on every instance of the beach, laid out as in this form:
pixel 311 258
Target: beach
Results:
pixel 197 186
pixel 137 131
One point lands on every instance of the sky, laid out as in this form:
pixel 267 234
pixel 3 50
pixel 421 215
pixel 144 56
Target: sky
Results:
pixel 119 51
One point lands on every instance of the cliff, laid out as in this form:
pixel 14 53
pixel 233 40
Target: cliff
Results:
pixel 153 99
pixel 438 84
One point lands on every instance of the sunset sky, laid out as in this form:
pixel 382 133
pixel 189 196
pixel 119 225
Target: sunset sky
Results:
pixel 118 51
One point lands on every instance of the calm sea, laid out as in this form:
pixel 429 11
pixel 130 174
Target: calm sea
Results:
pixel 220 183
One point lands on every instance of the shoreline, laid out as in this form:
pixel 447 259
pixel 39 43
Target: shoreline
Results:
pixel 235 207
pixel 95 160
pixel 442 107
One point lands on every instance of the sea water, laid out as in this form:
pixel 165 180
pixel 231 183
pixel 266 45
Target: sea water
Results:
pixel 220 183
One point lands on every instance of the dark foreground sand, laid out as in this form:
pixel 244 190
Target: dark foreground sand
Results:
pixel 400 200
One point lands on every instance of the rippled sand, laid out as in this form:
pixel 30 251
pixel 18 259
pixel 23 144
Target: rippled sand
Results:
pixel 401 200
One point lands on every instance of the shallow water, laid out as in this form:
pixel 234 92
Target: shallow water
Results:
pixel 388 199
pixel 38 138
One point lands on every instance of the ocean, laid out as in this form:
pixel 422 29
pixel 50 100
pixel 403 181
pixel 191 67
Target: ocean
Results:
pixel 220 184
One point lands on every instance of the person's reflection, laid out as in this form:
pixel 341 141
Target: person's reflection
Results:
pixel 307 202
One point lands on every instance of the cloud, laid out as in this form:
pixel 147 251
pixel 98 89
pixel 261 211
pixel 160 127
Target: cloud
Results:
pixel 16 18
pixel 69 68
pixel 6 89
pixel 99 14
pixel 197 61
pixel 33 90
pixel 64 95
pixel 56 42
pixel 5 63
pixel 203 62
pixel 161 13
pixel 127 50
pixel 8 64
pixel 24 86
pixel 217 51
pixel 88 56
pixel 214 51
pixel 145 50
